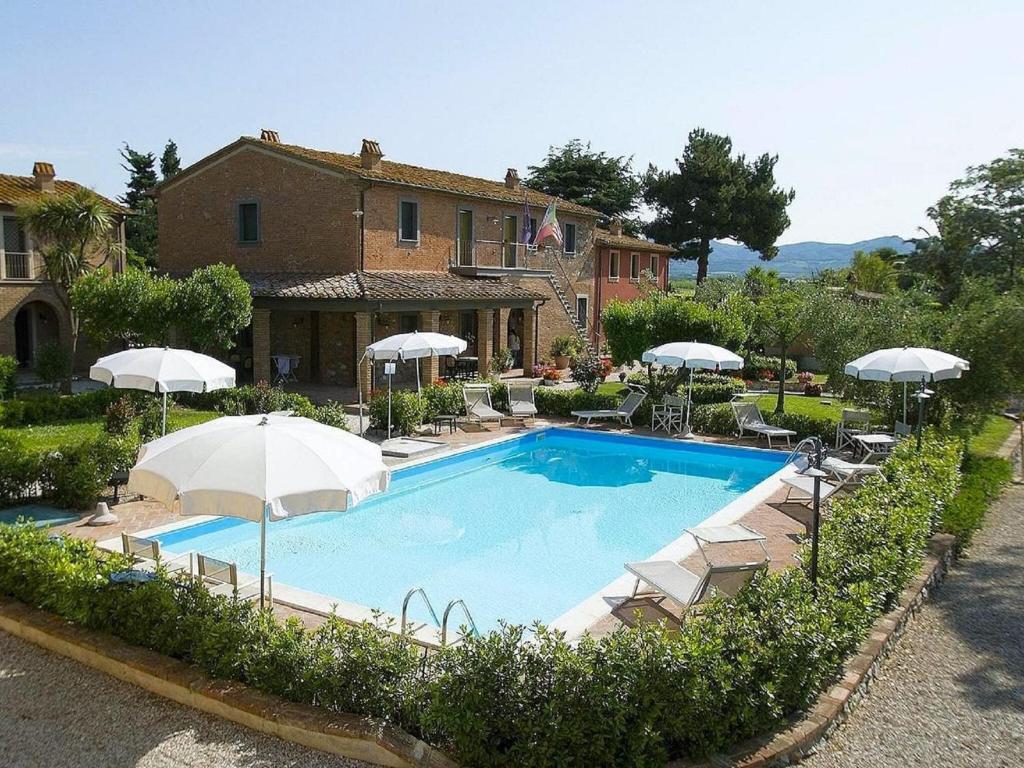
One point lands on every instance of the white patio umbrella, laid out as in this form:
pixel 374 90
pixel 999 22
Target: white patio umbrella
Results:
pixel 907 364
pixel 162 369
pixel 692 354
pixel 258 467
pixel 409 346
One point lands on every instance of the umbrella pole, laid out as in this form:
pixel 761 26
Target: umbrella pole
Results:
pixel 389 405
pixel 689 399
pixel 164 427
pixel 359 386
pixel 263 558
pixel 904 402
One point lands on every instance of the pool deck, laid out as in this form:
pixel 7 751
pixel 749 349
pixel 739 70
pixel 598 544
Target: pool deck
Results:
pixel 782 532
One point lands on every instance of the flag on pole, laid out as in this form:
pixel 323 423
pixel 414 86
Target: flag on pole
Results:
pixel 549 227
pixel 527 232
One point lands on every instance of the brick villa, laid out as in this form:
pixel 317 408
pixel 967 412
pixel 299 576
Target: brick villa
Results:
pixel 31 315
pixel 343 249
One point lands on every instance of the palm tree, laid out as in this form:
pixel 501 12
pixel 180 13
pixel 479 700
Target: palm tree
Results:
pixel 871 272
pixel 74 232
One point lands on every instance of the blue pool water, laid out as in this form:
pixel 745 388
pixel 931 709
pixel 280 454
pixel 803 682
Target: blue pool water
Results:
pixel 521 530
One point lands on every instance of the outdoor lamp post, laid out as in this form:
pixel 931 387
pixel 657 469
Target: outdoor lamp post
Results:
pixel 817 474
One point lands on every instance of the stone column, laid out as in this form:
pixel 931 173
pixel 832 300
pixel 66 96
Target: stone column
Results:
pixel 261 368
pixel 502 340
pixel 529 348
pixel 364 337
pixel 430 321
pixel 484 334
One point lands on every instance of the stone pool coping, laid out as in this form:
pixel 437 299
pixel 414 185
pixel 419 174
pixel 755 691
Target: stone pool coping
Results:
pixel 576 620
pixel 361 738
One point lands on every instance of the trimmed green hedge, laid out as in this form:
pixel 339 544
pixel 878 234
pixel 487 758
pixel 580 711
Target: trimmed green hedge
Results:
pixel 984 478
pixel 8 367
pixel 639 696
pixel 719 420
pixel 34 408
pixel 562 402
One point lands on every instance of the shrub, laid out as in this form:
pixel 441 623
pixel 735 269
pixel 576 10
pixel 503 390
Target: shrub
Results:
pixel 19 470
pixel 120 416
pixel 718 419
pixel 442 398
pixel 52 363
pixel 406 412
pixel 332 414
pixel 586 370
pixel 251 399
pixel 984 478
pixel 562 402
pixel 8 367
pixel 501 362
pixel 757 366
pixel 812 390
pixel 37 408
pixel 75 476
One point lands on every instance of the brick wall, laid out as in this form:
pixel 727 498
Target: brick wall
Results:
pixel 306 216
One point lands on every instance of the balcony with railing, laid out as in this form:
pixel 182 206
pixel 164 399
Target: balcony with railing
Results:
pixel 20 266
pixel 492 257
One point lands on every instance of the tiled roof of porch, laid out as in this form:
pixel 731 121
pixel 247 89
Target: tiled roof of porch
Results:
pixel 383 286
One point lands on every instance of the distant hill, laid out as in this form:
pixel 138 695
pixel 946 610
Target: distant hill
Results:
pixel 794 260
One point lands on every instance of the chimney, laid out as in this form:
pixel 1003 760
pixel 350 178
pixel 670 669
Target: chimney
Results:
pixel 43 175
pixel 616 226
pixel 269 136
pixel 370 154
pixel 512 178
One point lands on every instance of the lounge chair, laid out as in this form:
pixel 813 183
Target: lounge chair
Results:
pixel 669 414
pixel 749 419
pixel 801 508
pixel 478 403
pixel 520 400
pixel 847 472
pixel 146 552
pixel 689 589
pixel 221 578
pixel 624 413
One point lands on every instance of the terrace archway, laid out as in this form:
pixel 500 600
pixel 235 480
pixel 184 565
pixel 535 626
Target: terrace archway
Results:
pixel 35 325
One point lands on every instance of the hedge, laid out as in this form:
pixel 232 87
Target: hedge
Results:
pixel 33 408
pixel 264 398
pixel 755 364
pixel 551 401
pixel 8 367
pixel 984 478
pixel 638 696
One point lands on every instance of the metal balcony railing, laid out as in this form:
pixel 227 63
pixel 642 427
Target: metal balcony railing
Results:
pixel 495 254
pixel 18 266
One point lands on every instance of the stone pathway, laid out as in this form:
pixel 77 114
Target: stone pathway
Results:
pixel 952 694
pixel 55 712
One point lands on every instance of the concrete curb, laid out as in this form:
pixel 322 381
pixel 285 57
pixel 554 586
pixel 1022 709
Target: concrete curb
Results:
pixel 352 736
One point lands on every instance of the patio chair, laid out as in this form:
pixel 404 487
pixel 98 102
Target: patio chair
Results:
pixel 852 423
pixel 749 419
pixel 669 414
pixel 801 508
pixel 221 578
pixel 624 413
pixel 478 403
pixel 520 400
pixel 146 552
pixel 849 472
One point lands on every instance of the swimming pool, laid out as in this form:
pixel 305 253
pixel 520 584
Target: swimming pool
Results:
pixel 523 529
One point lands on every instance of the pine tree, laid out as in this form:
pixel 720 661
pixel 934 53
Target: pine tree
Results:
pixel 170 163
pixel 140 228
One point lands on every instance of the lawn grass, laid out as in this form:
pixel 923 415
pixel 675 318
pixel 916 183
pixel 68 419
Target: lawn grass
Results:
pixel 50 437
pixel 993 434
pixel 814 407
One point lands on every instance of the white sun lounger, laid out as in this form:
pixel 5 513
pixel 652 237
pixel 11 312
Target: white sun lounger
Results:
pixel 520 400
pixel 749 419
pixel 687 588
pixel 147 553
pixel 624 413
pixel 478 403
pixel 849 471
pixel 221 578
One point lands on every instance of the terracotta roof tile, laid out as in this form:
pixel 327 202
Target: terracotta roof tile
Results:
pixel 382 286
pixel 604 237
pixel 412 175
pixel 15 190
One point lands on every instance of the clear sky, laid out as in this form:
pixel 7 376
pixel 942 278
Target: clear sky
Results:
pixel 872 107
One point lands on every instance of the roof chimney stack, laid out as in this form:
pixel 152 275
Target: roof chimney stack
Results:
pixel 43 176
pixel 512 178
pixel 269 136
pixel 370 155
pixel 616 226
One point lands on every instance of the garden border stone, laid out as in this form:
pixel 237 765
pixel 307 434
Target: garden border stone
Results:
pixel 348 735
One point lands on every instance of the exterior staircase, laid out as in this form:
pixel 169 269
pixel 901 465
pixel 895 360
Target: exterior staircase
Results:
pixel 570 310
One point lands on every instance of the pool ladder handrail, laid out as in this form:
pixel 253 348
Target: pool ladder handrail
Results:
pixel 405 607
pixel 816 449
pixel 447 612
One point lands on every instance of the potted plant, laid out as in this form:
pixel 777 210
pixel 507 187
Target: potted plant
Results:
pixel 550 377
pixel 805 377
pixel 812 390
pixel 563 348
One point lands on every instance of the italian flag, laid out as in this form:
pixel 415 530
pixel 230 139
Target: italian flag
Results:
pixel 549 227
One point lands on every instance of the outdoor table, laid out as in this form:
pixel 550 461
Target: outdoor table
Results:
pixel 872 444
pixel 463 368
pixel 445 419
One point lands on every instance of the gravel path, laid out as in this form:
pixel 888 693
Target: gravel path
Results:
pixel 55 712
pixel 952 694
